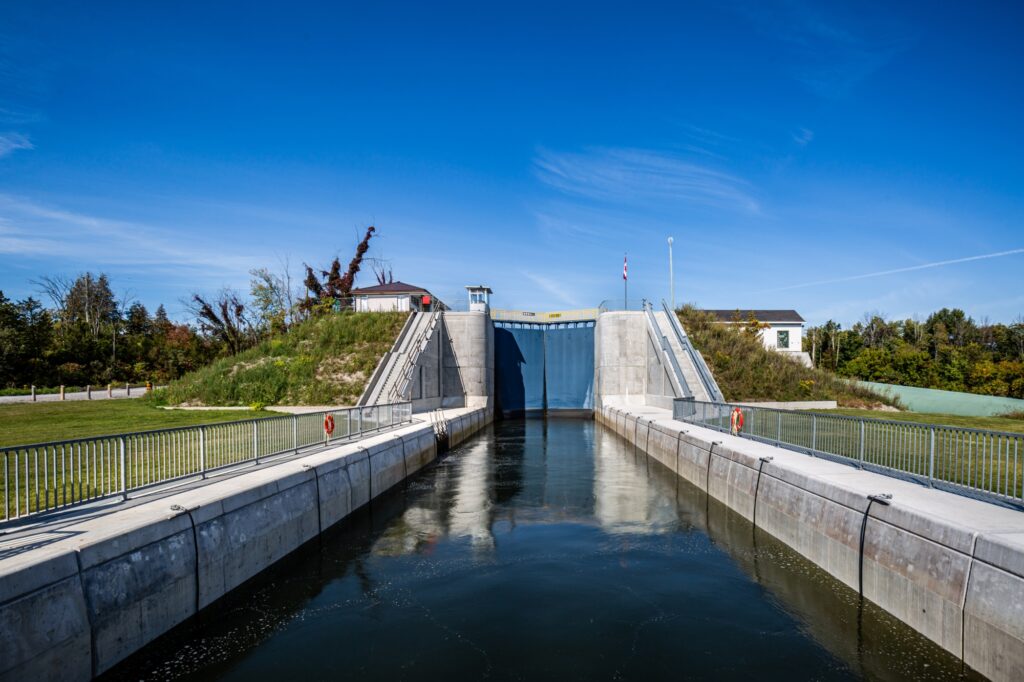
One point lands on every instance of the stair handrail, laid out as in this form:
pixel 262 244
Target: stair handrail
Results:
pixel 410 359
pixel 703 371
pixel 667 351
pixel 382 365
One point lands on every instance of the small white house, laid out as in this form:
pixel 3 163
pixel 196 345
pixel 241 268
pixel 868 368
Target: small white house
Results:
pixel 784 331
pixel 394 296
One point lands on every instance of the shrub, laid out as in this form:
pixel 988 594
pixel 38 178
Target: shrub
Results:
pixel 747 371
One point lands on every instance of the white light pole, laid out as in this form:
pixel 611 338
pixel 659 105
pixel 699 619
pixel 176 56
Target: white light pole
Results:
pixel 671 280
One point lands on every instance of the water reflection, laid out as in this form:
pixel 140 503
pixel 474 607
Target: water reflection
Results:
pixel 543 550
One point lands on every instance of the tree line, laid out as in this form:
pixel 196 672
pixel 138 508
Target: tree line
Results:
pixel 949 350
pixel 87 335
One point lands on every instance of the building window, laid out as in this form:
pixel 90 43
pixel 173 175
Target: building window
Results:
pixel 783 341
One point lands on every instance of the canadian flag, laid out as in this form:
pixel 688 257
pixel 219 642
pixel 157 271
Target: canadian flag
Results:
pixel 625 268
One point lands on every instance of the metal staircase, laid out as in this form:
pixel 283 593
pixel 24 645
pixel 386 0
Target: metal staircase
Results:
pixel 394 373
pixel 697 372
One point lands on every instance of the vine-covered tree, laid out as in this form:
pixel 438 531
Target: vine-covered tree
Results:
pixel 333 287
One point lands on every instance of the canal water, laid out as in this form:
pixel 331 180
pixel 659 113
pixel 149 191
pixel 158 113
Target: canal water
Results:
pixel 543 550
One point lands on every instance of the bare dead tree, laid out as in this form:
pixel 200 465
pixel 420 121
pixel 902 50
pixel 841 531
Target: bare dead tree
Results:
pixel 55 288
pixel 224 319
pixel 382 271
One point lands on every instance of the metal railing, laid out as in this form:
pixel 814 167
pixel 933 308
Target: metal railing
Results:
pixel 400 388
pixel 666 351
pixel 703 371
pixel 47 476
pixel 973 462
pixel 384 365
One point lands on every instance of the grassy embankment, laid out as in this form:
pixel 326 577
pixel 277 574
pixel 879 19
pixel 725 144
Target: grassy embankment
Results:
pixel 324 361
pixel 746 371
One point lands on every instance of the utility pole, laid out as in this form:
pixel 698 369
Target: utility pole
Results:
pixel 671 279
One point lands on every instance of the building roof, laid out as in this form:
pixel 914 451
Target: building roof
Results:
pixel 790 316
pixel 389 289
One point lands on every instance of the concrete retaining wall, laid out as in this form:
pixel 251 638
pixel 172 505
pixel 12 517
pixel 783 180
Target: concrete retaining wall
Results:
pixel 950 567
pixel 76 607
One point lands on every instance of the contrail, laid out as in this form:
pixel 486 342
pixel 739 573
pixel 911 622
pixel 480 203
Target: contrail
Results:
pixel 881 273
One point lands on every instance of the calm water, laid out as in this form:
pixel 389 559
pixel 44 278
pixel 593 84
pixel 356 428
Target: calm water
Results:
pixel 543 550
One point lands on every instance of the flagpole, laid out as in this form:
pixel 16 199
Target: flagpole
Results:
pixel 625 282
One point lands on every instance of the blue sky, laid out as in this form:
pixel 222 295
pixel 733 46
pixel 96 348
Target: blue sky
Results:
pixel 790 149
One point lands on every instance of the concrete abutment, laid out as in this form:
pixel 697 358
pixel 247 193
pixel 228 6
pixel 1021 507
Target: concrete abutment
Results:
pixel 950 567
pixel 76 607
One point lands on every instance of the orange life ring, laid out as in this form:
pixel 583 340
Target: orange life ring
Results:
pixel 328 424
pixel 737 420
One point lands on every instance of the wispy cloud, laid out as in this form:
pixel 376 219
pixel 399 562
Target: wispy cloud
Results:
pixel 639 176
pixel 31 229
pixel 12 142
pixel 896 271
pixel 552 288
pixel 803 137
pixel 827 54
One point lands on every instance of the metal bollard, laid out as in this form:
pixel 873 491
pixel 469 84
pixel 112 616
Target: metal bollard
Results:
pixel 33 392
pixel 128 389
pixel 88 391
pixel 62 391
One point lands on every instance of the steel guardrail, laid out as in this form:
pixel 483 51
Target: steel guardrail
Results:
pixel 975 462
pixel 666 351
pixel 703 371
pixel 43 477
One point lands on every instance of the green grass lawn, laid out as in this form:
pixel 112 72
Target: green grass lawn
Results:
pixel 23 423
pixel 987 423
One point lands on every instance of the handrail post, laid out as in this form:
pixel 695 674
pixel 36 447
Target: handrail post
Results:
pixel 778 437
pixel 255 442
pixel 295 432
pixel 861 443
pixel 202 451
pixel 124 471
pixel 931 457
pixel 814 432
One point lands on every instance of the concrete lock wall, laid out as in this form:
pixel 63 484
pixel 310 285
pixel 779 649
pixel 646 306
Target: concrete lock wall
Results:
pixel 74 608
pixel 950 567
pixel 629 365
pixel 620 357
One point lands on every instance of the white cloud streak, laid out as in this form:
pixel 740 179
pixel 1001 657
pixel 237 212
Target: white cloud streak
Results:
pixel 12 142
pixel 28 229
pixel 639 176
pixel 896 271
pixel 552 288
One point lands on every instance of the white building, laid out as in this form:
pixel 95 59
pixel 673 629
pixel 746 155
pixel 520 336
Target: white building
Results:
pixel 394 296
pixel 783 330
